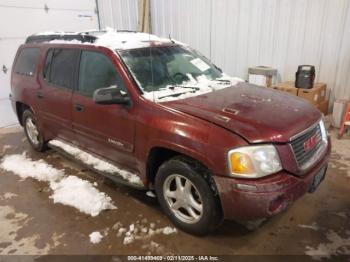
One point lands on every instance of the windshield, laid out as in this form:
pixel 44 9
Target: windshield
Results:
pixel 173 72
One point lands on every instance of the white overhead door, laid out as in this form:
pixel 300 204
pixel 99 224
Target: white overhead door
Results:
pixel 8 48
pixel 18 19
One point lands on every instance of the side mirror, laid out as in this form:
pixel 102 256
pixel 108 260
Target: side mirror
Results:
pixel 111 95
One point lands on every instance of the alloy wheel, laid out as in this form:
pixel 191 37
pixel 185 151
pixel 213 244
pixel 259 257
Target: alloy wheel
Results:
pixel 183 198
pixel 32 131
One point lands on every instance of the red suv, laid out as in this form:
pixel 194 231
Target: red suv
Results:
pixel 211 146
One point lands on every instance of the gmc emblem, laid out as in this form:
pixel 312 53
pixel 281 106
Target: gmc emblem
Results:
pixel 310 143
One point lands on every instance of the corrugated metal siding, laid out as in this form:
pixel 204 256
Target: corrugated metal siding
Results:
pixel 237 34
pixel 186 21
pixel 119 14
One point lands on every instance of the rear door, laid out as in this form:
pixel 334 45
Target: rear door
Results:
pixel 57 81
pixel 107 130
pixel 24 78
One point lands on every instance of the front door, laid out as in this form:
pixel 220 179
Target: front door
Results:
pixel 106 130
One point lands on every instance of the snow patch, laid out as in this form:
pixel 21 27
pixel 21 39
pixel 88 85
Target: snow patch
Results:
pixel 55 33
pixel 71 191
pixel 25 167
pixel 313 226
pixel 126 40
pixel 8 195
pixel 95 237
pixel 121 231
pixel 337 245
pixel 140 230
pixel 81 194
pixel 150 194
pixel 96 163
pixel 169 230
pixel 116 226
pixel 71 42
pixel 128 240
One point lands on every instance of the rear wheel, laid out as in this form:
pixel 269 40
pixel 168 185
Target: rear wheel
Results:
pixel 186 197
pixel 32 131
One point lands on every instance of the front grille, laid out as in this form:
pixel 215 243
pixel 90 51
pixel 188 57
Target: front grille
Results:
pixel 302 156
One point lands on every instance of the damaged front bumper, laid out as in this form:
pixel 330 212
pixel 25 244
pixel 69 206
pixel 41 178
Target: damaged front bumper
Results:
pixel 243 199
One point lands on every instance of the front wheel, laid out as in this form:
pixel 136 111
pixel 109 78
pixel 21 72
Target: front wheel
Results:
pixel 32 131
pixel 186 197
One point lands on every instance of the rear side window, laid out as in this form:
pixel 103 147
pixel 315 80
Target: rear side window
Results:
pixel 27 61
pixel 97 71
pixel 62 69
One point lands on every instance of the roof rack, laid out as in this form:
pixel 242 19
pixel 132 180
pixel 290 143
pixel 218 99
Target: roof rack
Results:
pixel 82 37
pixel 88 36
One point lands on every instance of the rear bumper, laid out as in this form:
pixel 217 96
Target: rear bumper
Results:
pixel 13 103
pixel 14 108
pixel 243 199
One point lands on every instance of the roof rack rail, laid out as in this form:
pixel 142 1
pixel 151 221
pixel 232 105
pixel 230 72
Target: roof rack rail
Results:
pixel 82 37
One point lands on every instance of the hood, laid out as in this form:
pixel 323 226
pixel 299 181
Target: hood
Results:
pixel 257 114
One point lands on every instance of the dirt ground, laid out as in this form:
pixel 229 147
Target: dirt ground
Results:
pixel 30 223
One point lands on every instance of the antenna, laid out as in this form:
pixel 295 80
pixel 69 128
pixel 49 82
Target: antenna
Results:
pixel 171 39
pixel 151 60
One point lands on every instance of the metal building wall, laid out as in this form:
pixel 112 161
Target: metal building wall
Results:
pixel 237 34
pixel 119 14
pixel 184 20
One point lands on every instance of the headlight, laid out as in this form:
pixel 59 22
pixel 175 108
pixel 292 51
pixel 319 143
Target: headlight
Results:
pixel 254 161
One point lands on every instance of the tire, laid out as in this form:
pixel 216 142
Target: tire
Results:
pixel 198 210
pixel 32 131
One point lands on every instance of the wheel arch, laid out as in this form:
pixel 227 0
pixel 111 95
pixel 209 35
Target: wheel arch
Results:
pixel 160 154
pixel 20 108
pixel 197 167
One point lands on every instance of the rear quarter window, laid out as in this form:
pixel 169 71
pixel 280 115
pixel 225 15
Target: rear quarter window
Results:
pixel 27 61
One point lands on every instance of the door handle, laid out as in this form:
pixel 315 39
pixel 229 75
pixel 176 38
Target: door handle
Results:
pixel 79 108
pixel 39 95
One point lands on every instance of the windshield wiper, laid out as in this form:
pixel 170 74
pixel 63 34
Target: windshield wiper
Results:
pixel 190 87
pixel 223 81
pixel 177 94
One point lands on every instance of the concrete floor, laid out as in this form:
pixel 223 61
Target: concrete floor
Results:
pixel 30 223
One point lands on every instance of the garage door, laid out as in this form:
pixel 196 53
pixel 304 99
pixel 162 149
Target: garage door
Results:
pixel 19 19
pixel 7 47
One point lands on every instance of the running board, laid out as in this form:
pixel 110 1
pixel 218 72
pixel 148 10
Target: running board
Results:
pixel 109 170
